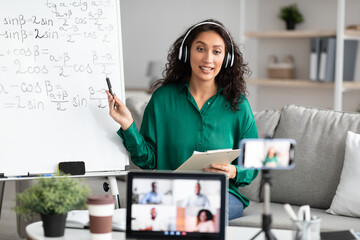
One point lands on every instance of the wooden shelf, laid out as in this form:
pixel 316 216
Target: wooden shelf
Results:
pixel 291 34
pixel 347 86
pixel 352 33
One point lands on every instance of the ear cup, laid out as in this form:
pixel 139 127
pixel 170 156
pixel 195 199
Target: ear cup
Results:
pixel 186 54
pixel 227 60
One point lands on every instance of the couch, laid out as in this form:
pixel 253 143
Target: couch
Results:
pixel 320 135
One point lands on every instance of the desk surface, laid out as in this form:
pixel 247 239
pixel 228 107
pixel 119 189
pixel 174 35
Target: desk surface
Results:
pixel 35 232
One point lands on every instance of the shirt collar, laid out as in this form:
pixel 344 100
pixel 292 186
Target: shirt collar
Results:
pixel 186 85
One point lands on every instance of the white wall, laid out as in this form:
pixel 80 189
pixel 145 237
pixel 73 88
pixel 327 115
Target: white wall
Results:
pixel 149 28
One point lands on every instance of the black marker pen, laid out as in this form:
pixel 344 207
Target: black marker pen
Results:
pixel 110 88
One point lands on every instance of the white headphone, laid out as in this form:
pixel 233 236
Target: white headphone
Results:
pixel 184 51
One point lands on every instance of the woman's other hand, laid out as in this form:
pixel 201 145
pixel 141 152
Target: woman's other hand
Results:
pixel 121 114
pixel 228 169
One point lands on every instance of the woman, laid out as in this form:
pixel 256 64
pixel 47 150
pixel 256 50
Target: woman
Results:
pixel 200 105
pixel 271 158
pixel 205 221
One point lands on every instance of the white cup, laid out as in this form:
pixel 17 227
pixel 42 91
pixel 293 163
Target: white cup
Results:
pixel 101 210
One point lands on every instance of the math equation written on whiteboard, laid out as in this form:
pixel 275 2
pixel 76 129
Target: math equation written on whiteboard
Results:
pixel 54 55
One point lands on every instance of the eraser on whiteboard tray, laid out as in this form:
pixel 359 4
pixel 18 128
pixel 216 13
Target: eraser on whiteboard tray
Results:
pixel 72 168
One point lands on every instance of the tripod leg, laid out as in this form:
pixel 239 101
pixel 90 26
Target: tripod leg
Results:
pixel 270 236
pixel 256 235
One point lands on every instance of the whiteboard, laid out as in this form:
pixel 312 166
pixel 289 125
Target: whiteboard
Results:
pixel 54 58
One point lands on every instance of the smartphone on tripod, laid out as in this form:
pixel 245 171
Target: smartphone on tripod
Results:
pixel 266 155
pixel 275 153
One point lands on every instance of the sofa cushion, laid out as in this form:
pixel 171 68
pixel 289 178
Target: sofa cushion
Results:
pixel 347 198
pixel 137 108
pixel 266 122
pixel 280 219
pixel 319 155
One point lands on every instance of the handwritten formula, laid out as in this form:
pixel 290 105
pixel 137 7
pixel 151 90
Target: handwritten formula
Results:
pixel 54 55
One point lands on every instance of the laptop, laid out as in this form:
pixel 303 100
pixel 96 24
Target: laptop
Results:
pixel 167 205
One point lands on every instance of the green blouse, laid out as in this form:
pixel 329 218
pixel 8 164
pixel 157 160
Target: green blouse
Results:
pixel 173 128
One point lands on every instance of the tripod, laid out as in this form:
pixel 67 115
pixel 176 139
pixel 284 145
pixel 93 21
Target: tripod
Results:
pixel 266 217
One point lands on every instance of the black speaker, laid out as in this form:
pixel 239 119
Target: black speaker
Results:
pixel 72 168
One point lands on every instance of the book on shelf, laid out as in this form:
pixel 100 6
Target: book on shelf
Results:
pixel 323 59
pixel 80 219
pixel 350 52
pixel 329 48
pixel 314 59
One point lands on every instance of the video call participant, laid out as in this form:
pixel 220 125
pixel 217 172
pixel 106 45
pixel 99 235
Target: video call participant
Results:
pixel 152 197
pixel 198 199
pixel 271 158
pixel 199 105
pixel 153 224
pixel 205 221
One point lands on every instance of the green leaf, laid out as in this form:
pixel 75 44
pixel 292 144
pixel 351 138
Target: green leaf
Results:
pixel 52 195
pixel 291 13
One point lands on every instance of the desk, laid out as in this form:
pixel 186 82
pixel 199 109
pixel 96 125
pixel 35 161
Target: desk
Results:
pixel 35 232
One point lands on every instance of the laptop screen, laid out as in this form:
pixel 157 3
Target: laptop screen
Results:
pixel 164 205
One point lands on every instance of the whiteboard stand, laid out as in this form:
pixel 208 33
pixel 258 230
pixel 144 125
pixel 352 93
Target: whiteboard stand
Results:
pixel 114 190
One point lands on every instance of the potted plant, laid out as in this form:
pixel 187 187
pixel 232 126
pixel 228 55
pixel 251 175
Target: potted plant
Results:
pixel 52 198
pixel 291 15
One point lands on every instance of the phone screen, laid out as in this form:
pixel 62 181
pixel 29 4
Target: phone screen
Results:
pixel 267 153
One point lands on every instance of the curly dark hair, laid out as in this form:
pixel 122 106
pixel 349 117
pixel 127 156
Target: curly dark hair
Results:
pixel 209 215
pixel 231 79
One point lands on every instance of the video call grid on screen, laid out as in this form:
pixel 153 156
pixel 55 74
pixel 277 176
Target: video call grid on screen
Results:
pixel 180 207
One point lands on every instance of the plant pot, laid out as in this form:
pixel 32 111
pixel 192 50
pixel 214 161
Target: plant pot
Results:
pixel 54 224
pixel 290 25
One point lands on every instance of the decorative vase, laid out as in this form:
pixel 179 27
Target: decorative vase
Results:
pixel 290 25
pixel 54 224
